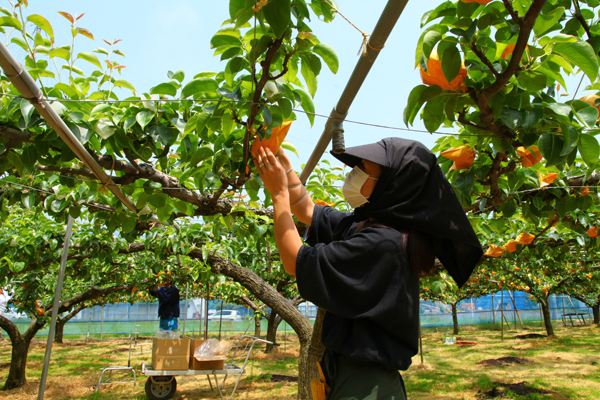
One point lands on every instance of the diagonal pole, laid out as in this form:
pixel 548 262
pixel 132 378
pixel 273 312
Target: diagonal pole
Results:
pixel 55 306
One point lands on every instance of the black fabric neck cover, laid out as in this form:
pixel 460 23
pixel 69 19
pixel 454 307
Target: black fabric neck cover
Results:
pixel 412 192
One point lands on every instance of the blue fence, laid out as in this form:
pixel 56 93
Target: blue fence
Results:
pixel 141 318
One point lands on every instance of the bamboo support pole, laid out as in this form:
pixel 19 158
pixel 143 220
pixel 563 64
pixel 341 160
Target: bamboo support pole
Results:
pixel 516 311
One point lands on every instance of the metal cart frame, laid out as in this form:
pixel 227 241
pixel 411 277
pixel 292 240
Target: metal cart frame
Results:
pixel 231 368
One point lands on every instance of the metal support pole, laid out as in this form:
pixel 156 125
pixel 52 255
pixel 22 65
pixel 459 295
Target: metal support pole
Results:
pixel 494 310
pixel 386 23
pixel 55 307
pixel 89 324
pixel 186 305
pixel 101 322
pixel 221 320
pixel 502 313
pixel 206 311
pixel 542 318
pixel 420 339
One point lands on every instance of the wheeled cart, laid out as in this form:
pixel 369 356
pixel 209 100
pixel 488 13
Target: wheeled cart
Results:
pixel 161 385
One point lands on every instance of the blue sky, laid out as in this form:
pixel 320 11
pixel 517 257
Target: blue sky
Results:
pixel 162 36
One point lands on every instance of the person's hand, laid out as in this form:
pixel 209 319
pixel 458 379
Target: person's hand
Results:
pixel 271 172
pixel 283 159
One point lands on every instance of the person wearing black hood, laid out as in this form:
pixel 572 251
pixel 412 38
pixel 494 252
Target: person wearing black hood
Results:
pixel 363 267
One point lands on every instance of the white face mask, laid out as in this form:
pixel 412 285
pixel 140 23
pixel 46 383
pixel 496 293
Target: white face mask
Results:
pixel 352 185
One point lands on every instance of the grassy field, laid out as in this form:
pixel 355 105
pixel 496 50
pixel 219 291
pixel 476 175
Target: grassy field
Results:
pixel 564 367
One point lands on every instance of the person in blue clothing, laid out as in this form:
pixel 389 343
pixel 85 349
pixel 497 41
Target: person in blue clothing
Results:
pixel 168 305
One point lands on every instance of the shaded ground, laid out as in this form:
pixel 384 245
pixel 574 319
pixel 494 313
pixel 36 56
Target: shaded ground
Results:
pixel 508 390
pixel 283 378
pixel 504 361
pixel 531 336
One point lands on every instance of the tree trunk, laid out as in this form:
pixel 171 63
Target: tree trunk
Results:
pixel 60 323
pixel 547 318
pixel 257 321
pixel 596 313
pixel 60 327
pixel 310 354
pixel 455 318
pixel 279 305
pixel 20 348
pixel 274 321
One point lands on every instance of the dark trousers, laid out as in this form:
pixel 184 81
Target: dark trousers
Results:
pixel 349 379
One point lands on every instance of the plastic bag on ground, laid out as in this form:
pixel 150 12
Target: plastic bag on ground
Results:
pixel 212 349
pixel 163 334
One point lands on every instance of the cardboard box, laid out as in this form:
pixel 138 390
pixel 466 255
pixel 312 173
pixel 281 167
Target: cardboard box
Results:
pixel 170 354
pixel 209 363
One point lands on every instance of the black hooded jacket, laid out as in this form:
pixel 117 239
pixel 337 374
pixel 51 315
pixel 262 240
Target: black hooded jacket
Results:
pixel 361 277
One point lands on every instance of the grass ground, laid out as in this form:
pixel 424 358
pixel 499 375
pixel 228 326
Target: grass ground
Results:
pixel 564 367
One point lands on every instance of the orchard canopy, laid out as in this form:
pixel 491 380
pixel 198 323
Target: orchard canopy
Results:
pixel 515 80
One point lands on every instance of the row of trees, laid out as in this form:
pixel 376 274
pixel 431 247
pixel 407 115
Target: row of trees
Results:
pixel 522 160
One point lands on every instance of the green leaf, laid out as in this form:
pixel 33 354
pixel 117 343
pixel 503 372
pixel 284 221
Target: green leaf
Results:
pixel 508 208
pixel 66 89
pixel 220 40
pixel 144 117
pixel 587 114
pixel 278 15
pixel 204 152
pixel 158 200
pixel 162 134
pixel 451 63
pixel 27 110
pixel 199 85
pixel 289 146
pixel 28 159
pixel 11 22
pixel 414 104
pixel 309 77
pixel 464 183
pixel 57 205
pixel 89 57
pixel 544 23
pixel 60 53
pixel 28 200
pixel 581 54
pixel 307 105
pixel 201 121
pixel 124 84
pixel 571 136
pixel 164 88
pixel 429 42
pixel 100 50
pixel 512 118
pixel 129 222
pixel 17 266
pixel 178 75
pixel 42 23
pixel 551 147
pixel 328 55
pixel 100 109
pixel 589 149
pixel 20 42
pixel 433 113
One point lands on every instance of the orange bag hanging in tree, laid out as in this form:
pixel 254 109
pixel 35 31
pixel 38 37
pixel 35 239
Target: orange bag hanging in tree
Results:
pixel 277 136
pixel 463 157
pixel 435 74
